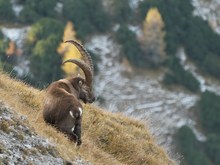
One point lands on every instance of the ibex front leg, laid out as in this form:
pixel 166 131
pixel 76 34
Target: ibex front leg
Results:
pixel 77 131
pixel 76 115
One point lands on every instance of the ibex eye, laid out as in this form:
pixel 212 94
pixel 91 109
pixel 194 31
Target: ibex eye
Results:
pixel 80 83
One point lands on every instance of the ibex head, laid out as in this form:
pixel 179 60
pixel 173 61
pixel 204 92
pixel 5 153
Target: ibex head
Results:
pixel 83 86
pixel 85 92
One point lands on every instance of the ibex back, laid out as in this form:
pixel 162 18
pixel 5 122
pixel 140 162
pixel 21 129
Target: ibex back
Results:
pixel 62 106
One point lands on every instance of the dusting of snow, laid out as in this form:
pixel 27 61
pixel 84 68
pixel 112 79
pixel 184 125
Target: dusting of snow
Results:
pixel 208 10
pixel 59 7
pixel 134 3
pixel 22 67
pixel 16 7
pixel 139 95
pixel 205 83
pixel 136 29
pixel 16 34
pixel 116 27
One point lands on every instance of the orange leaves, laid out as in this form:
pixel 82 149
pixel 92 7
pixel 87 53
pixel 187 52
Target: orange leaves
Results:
pixel 13 50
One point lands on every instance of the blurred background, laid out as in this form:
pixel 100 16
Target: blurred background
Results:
pixel 155 60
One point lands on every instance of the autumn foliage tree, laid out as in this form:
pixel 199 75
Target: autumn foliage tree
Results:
pixel 69 51
pixel 153 37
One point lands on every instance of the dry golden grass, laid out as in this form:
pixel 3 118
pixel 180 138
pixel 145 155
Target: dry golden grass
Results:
pixel 107 138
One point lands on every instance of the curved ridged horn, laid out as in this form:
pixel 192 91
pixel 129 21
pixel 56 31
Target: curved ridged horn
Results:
pixel 85 68
pixel 86 56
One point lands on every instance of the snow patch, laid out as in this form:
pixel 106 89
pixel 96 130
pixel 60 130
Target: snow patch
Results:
pixel 16 7
pixel 16 34
pixel 134 3
pixel 209 11
pixel 205 83
pixel 59 7
pixel 22 67
pixel 136 29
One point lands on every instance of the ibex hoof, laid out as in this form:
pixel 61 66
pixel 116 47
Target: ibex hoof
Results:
pixel 79 142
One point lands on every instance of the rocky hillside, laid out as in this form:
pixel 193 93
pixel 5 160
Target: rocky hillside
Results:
pixel 107 138
pixel 137 93
pixel 20 144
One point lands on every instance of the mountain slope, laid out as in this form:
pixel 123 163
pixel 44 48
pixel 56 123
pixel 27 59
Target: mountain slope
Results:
pixel 19 144
pixel 107 138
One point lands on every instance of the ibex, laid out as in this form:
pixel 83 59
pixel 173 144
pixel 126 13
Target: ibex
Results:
pixel 62 106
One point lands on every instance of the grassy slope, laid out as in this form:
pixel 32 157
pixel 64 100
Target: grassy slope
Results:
pixel 107 138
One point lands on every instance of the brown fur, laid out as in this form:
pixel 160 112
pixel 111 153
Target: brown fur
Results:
pixel 62 98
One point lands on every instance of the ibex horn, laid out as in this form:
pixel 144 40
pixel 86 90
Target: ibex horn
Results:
pixel 86 56
pixel 85 68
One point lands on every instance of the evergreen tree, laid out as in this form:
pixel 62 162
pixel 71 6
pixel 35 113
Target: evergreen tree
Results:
pixel 121 11
pixel 177 75
pixel 6 12
pixel 130 46
pixel 88 16
pixel 34 10
pixel 41 46
pixel 212 148
pixel 45 63
pixel 190 147
pixel 210 112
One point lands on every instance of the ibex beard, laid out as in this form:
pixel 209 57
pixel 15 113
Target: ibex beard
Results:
pixel 62 106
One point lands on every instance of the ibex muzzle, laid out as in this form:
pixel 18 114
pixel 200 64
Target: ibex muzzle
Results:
pixel 62 106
